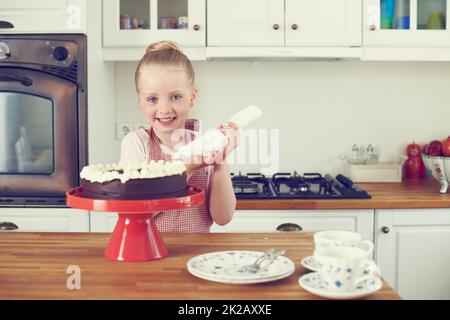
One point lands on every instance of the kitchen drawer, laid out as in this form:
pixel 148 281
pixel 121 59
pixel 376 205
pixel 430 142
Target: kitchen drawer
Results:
pixel 268 220
pixel 103 221
pixel 45 219
pixel 309 220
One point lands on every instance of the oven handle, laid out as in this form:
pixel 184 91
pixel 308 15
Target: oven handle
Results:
pixel 11 77
pixel 6 25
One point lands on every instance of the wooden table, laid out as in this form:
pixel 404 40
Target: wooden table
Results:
pixel 34 265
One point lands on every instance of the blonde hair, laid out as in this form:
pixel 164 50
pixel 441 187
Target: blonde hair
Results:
pixel 165 53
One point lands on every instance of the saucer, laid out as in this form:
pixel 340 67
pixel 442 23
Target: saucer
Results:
pixel 311 282
pixel 309 263
pixel 225 266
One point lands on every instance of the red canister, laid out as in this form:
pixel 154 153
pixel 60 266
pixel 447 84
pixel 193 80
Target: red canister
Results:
pixel 412 167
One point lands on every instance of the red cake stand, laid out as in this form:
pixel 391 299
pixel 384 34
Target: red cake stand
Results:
pixel 135 237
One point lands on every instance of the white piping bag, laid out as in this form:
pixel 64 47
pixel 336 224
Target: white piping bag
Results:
pixel 215 139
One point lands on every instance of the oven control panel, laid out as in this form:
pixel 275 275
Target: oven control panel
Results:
pixel 42 52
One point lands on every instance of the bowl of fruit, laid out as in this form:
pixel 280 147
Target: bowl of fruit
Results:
pixel 437 161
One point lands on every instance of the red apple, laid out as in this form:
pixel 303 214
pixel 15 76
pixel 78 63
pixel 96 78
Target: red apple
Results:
pixel 446 147
pixel 435 148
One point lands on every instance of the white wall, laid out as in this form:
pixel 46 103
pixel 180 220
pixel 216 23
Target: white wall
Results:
pixel 101 96
pixel 321 108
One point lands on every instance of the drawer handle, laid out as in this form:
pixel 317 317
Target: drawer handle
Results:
pixel 8 226
pixel 196 27
pixel 294 26
pixel 385 229
pixel 276 26
pixel 289 227
pixel 6 25
pixel 373 27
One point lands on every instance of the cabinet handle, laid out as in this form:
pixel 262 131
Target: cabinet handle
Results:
pixel 385 229
pixel 372 27
pixel 8 226
pixel 6 25
pixel 289 227
pixel 294 26
pixel 196 27
pixel 276 26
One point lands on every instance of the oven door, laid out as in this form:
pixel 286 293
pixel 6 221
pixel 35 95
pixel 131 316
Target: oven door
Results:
pixel 38 134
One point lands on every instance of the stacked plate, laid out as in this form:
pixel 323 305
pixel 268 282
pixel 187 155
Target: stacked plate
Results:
pixel 226 267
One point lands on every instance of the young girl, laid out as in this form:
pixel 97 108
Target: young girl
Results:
pixel 165 86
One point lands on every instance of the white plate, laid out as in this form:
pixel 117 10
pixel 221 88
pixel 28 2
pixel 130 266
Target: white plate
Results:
pixel 224 266
pixel 309 263
pixel 311 282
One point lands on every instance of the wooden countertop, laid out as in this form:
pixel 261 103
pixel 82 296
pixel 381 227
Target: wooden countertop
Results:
pixel 410 194
pixel 33 266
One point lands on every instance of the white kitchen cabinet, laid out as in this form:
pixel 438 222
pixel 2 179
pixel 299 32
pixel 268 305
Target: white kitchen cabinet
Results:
pixel 309 220
pixel 406 23
pixel 44 16
pixel 45 219
pixel 245 22
pixel 268 221
pixel 248 23
pixel 103 221
pixel 323 23
pixel 412 250
pixel 137 23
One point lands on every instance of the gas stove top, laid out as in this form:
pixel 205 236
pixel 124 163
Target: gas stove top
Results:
pixel 294 186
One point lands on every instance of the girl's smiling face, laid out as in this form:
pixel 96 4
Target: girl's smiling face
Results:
pixel 165 96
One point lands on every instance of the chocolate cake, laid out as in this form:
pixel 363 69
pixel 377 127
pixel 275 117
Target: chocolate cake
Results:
pixel 146 181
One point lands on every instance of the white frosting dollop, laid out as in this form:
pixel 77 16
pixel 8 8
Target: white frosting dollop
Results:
pixel 145 170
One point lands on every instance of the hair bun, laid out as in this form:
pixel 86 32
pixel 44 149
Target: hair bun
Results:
pixel 162 46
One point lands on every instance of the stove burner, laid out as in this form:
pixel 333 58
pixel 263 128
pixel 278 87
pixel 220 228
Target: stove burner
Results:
pixel 285 183
pixel 245 187
pixel 294 186
pixel 252 185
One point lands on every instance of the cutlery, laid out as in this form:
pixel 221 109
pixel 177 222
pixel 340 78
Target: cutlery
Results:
pixel 270 255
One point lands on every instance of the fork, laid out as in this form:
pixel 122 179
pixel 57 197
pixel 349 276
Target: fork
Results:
pixel 272 254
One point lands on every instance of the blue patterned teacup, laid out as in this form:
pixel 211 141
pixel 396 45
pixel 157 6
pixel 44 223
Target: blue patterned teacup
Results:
pixel 345 268
pixel 338 238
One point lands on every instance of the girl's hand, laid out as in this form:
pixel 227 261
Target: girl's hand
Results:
pixel 216 157
pixel 199 162
pixel 232 132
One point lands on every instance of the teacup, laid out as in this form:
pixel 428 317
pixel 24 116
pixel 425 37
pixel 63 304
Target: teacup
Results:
pixel 346 268
pixel 326 239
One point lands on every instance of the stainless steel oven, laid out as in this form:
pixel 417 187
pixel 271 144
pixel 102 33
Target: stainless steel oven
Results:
pixel 43 117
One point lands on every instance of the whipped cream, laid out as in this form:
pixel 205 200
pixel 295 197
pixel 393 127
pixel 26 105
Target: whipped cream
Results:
pixel 145 170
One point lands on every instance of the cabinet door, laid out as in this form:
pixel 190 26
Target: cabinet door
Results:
pixel 103 221
pixel 308 220
pixel 245 23
pixel 137 23
pixel 402 23
pixel 411 248
pixel 44 16
pixel 44 219
pixel 323 22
